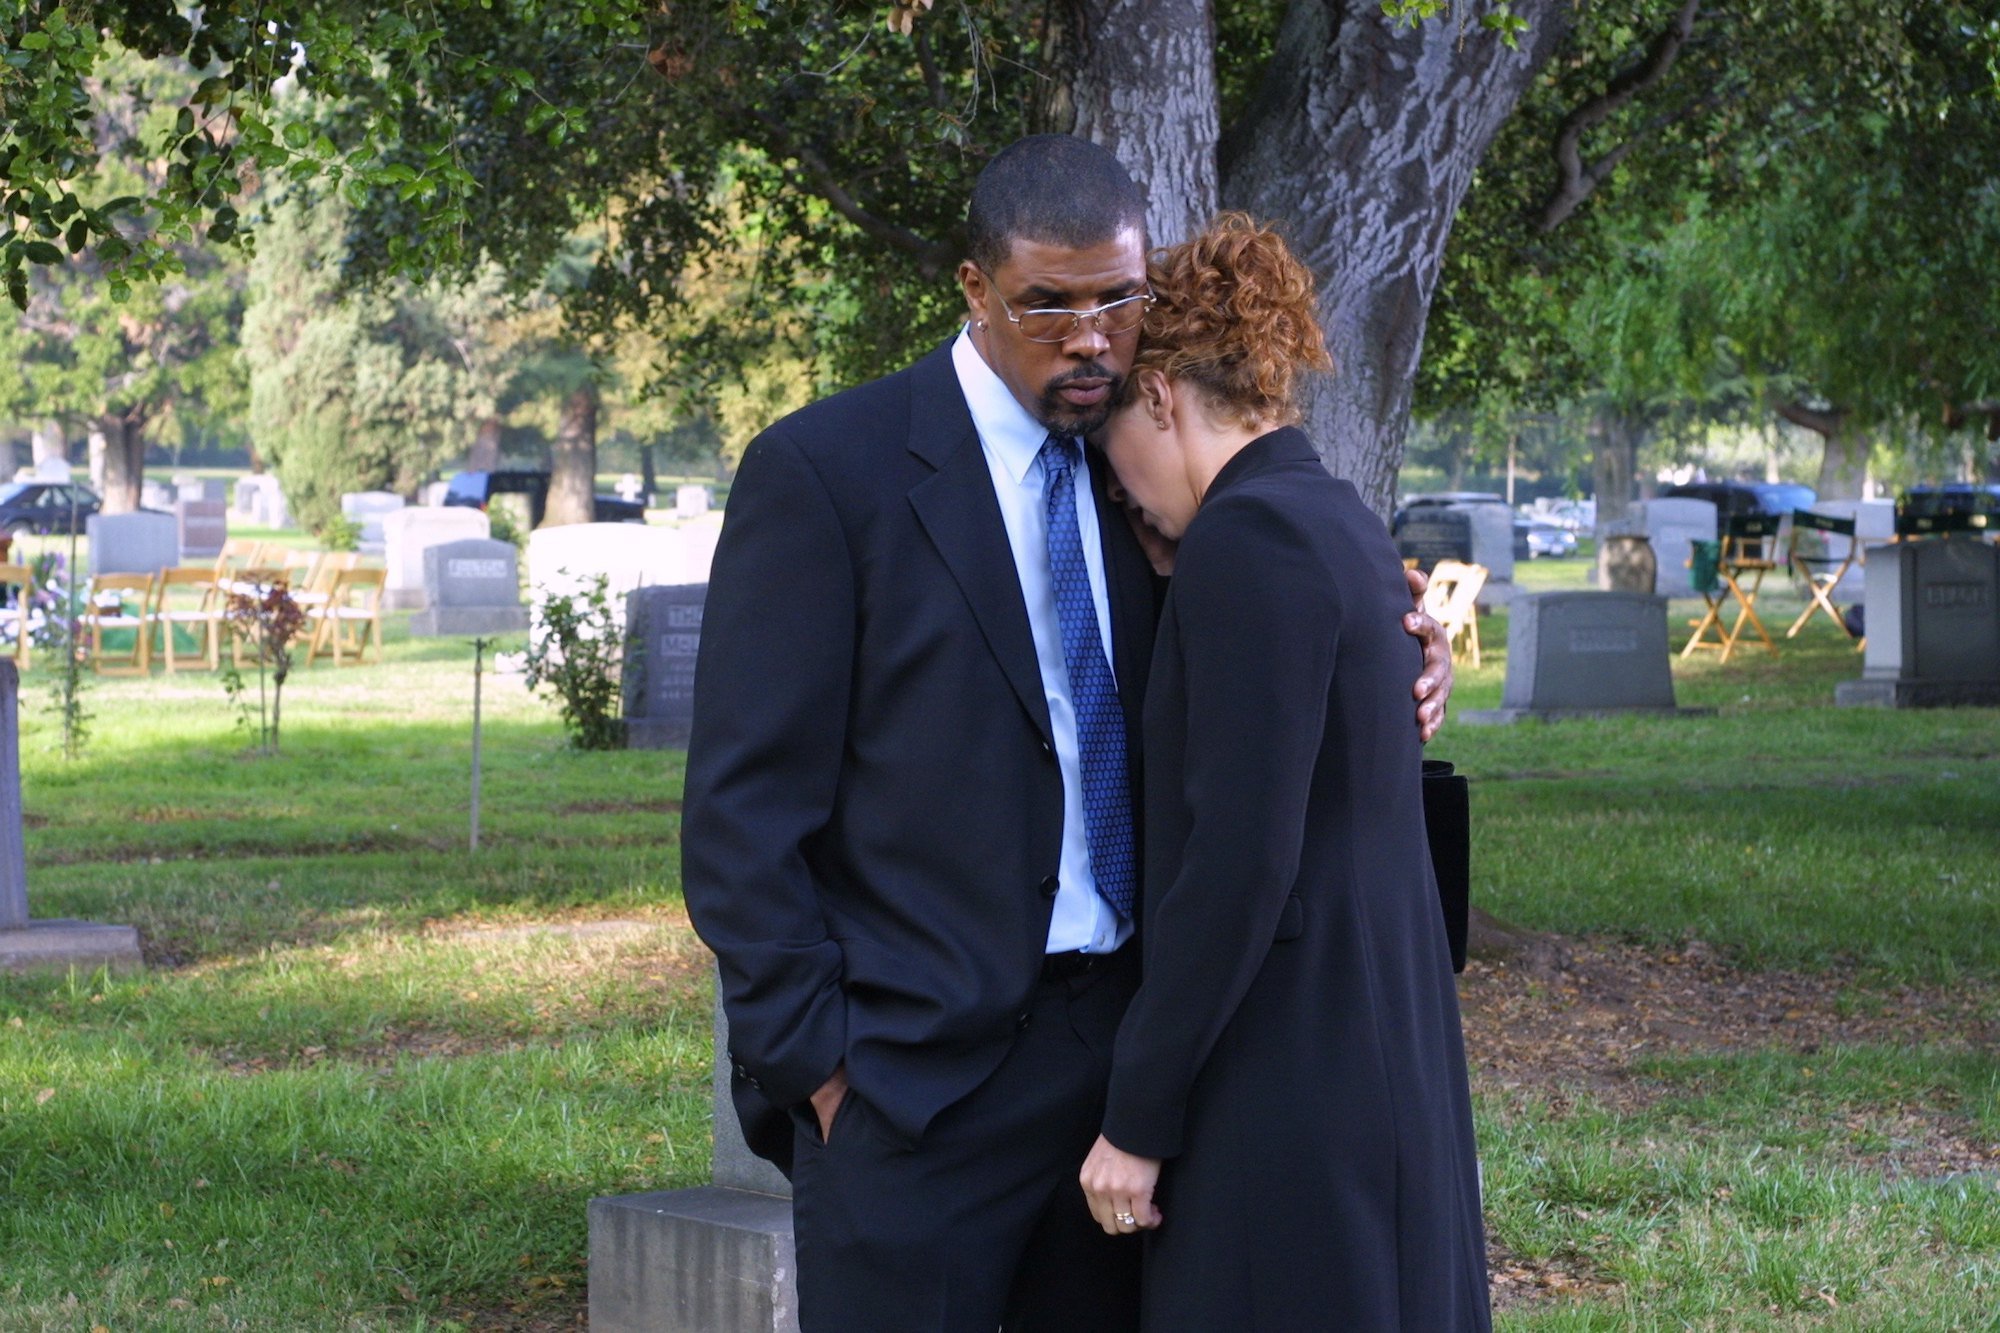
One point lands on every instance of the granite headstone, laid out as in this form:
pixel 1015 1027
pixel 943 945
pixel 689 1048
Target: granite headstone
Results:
pixel 692 501
pixel 662 638
pixel 1430 533
pixel 1585 654
pixel 470 587
pixel 1933 626
pixel 368 508
pixel 204 527
pixel 628 555
pixel 407 533
pixel 138 543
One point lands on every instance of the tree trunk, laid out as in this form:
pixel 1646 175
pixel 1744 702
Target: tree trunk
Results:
pixel 1614 463
pixel 50 441
pixel 119 466
pixel 1362 143
pixel 485 453
pixel 1843 466
pixel 1138 77
pixel 573 461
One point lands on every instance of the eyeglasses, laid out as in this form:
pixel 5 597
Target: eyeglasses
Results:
pixel 1054 326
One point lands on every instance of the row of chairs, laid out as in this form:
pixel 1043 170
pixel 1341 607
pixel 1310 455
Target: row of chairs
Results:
pixel 342 604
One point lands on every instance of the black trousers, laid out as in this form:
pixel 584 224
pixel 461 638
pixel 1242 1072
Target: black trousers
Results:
pixel 982 1225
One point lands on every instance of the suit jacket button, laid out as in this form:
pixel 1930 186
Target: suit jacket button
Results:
pixel 1049 886
pixel 1048 751
pixel 1021 1021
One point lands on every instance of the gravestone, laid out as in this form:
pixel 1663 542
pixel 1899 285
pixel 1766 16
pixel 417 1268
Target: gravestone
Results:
pixel 692 501
pixel 261 500
pixel 630 487
pixel 52 468
pixel 1933 626
pixel 717 1258
pixel 141 543
pixel 158 496
pixel 407 533
pixel 1585 654
pixel 201 488
pixel 27 944
pixel 662 637
pixel 204 527
pixel 470 587
pixel 1430 533
pixel 1493 547
pixel 629 555
pixel 1626 563
pixel 368 508
pixel 1673 525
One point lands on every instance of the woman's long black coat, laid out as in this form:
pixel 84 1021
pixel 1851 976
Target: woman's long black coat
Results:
pixel 1295 1046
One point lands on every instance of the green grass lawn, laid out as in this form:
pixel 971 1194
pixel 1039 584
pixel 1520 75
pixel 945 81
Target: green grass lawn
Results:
pixel 370 1079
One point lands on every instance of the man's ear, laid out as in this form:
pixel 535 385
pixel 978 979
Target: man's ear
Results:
pixel 972 281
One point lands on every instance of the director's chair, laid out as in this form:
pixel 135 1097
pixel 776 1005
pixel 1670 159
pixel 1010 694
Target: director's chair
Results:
pixel 1824 571
pixel 1742 557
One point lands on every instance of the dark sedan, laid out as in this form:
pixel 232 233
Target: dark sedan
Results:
pixel 45 506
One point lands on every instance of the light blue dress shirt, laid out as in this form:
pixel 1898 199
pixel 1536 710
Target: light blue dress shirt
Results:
pixel 1012 441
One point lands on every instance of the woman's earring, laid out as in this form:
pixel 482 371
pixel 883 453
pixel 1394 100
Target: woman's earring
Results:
pixel 1158 422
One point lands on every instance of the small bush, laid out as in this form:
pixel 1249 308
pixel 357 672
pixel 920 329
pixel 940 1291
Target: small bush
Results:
pixel 577 650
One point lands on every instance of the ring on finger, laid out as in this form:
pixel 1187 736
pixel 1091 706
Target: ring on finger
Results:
pixel 1125 1219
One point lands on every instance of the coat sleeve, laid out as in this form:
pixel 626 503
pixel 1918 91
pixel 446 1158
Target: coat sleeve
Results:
pixel 1258 620
pixel 771 700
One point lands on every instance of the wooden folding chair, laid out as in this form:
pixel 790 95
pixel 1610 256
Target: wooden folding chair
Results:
pixel 351 618
pixel 1452 599
pixel 1740 560
pixel 120 602
pixel 17 616
pixel 1819 566
pixel 239 554
pixel 315 587
pixel 189 599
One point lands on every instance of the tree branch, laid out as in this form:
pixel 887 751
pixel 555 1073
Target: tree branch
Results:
pixel 1576 179
pixel 934 258
pixel 928 63
pixel 1819 420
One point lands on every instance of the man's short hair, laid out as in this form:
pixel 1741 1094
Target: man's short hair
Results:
pixel 1053 188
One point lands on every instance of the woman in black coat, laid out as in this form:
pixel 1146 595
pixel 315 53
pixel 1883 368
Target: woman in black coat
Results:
pixel 1288 1121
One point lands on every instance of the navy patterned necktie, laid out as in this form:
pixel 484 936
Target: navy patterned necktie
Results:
pixel 1100 721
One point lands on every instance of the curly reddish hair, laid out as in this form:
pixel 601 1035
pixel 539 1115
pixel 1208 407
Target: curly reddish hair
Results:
pixel 1233 313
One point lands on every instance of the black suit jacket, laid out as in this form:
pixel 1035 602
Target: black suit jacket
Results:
pixel 873 809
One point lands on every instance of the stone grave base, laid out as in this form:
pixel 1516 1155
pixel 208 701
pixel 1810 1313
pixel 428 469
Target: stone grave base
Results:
pixel 1503 716
pixel 652 733
pixel 1866 693
pixel 61 945
pixel 718 1260
pixel 439 621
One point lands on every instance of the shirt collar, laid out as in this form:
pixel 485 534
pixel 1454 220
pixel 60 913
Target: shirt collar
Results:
pixel 1004 426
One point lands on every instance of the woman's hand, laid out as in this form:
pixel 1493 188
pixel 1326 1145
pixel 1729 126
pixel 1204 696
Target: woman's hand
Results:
pixel 1433 688
pixel 1119 1188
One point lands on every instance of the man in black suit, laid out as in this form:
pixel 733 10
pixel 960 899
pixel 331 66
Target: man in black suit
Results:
pixel 907 830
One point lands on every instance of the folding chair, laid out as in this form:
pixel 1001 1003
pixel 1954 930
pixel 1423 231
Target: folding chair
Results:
pixel 120 602
pixel 1733 567
pixel 189 599
pixel 315 586
pixel 351 617
pixel 17 614
pixel 1821 572
pixel 237 555
pixel 1452 599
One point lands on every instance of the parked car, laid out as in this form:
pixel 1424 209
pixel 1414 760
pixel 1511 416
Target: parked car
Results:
pixel 45 506
pixel 1746 497
pixel 476 489
pixel 1957 497
pixel 1534 539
